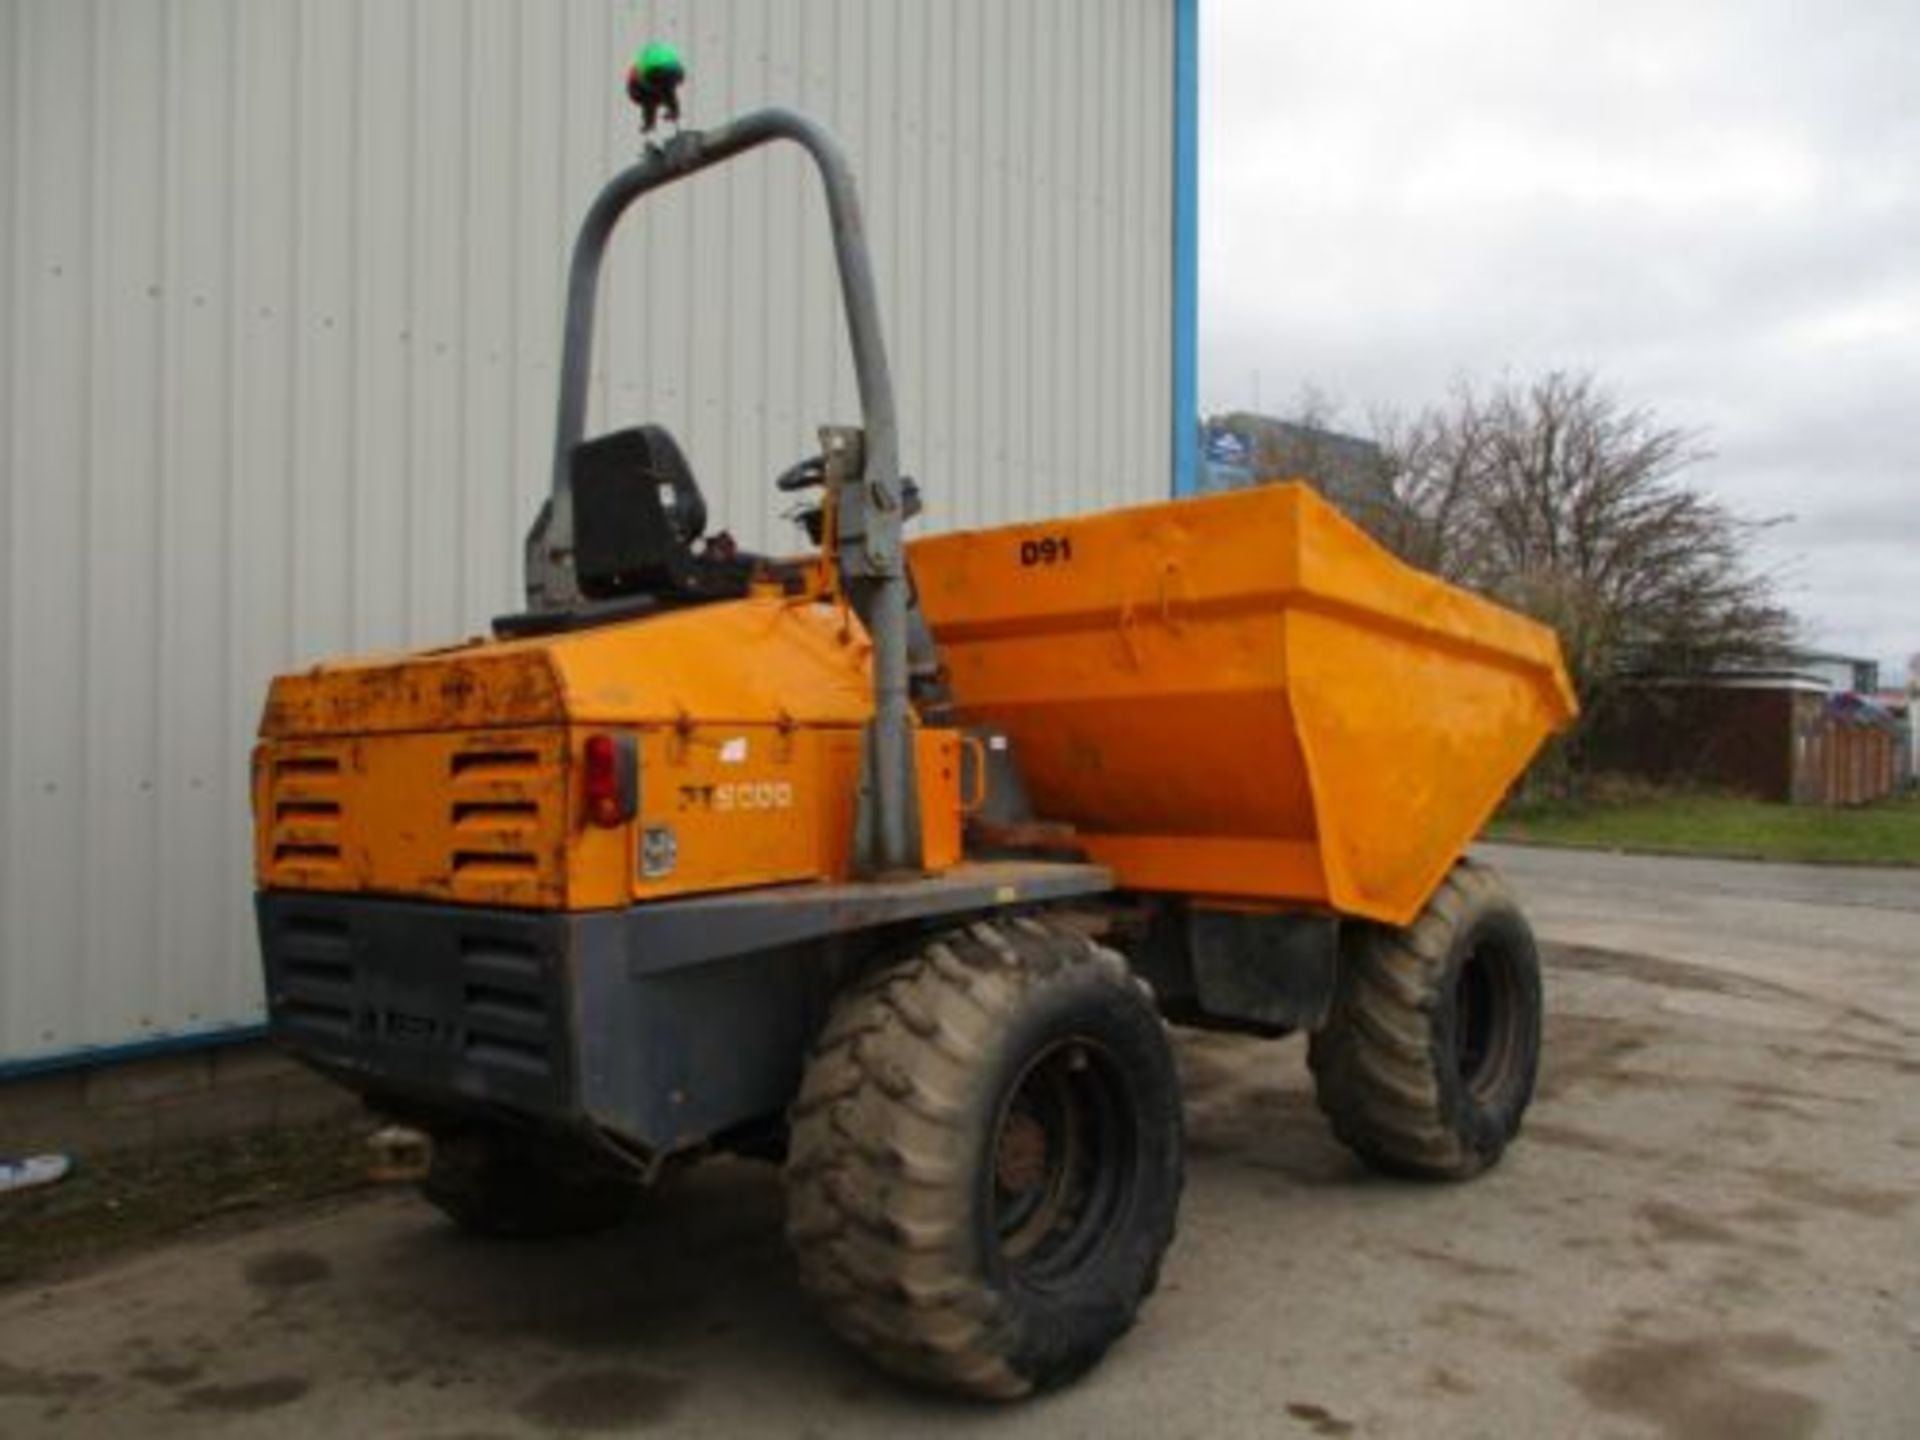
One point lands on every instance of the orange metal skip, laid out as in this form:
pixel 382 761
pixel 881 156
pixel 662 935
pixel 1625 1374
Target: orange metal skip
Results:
pixel 1244 696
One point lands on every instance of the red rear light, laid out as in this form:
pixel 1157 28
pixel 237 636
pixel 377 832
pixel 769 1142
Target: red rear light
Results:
pixel 609 781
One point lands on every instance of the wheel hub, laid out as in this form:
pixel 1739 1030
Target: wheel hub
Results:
pixel 1022 1160
pixel 1485 1034
pixel 1061 1165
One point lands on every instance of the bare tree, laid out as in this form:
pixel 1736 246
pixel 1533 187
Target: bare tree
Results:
pixel 1557 499
pixel 1431 463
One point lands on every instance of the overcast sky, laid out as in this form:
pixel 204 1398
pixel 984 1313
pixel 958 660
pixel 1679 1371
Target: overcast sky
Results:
pixel 1714 205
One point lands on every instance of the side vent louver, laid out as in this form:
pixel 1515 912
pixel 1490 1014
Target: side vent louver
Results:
pixel 504 1005
pixel 316 975
pixel 493 814
pixel 306 813
pixel 475 817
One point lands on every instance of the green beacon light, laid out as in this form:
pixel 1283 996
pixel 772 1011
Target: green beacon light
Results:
pixel 653 83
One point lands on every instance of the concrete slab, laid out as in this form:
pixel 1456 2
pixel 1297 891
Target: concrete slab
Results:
pixel 1709 1228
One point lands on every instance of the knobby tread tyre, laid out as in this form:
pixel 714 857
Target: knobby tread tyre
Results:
pixel 506 1189
pixel 1416 1079
pixel 890 1170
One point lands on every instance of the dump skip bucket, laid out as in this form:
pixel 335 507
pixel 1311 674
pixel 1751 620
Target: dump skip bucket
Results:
pixel 1244 697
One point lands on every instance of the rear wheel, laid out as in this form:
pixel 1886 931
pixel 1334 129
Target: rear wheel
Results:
pixel 986 1159
pixel 510 1187
pixel 1428 1060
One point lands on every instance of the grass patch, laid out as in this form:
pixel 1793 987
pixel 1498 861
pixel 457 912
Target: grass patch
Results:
pixel 117 1201
pixel 1887 833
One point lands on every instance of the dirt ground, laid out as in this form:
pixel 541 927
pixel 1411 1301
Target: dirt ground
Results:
pixel 1708 1229
pixel 126 1200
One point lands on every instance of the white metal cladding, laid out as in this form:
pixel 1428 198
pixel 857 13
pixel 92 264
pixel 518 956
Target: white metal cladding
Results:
pixel 281 284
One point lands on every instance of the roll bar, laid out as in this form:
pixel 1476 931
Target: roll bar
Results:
pixel 870 556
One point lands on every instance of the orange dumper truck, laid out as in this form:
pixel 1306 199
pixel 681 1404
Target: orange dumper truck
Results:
pixel 890 862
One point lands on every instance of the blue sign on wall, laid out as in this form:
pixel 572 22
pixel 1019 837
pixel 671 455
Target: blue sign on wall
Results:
pixel 1224 447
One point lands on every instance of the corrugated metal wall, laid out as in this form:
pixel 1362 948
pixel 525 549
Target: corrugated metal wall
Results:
pixel 280 284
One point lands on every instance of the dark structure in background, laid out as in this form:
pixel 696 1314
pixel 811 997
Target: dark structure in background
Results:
pixel 1242 448
pixel 1801 734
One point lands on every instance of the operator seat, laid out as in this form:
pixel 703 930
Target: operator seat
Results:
pixel 637 511
pixel 638 549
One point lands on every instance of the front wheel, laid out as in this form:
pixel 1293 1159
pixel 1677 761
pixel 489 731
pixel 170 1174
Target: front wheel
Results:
pixel 986 1159
pixel 1427 1063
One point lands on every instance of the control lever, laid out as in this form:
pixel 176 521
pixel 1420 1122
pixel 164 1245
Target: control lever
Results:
pixel 802 475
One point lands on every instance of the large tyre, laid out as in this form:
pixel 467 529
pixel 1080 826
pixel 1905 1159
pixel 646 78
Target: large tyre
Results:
pixel 1428 1060
pixel 509 1187
pixel 987 1158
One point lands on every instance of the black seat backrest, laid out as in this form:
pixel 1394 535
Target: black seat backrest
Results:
pixel 636 513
